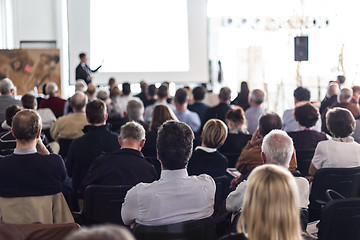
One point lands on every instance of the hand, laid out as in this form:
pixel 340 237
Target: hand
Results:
pixel 256 138
pixel 40 147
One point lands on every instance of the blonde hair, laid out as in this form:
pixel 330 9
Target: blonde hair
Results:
pixel 214 133
pixel 160 114
pixel 271 208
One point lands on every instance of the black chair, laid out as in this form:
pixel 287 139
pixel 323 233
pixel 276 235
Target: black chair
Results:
pixel 340 219
pixel 232 158
pixel 222 190
pixel 304 158
pixel 102 204
pixel 345 181
pixel 64 147
pixel 234 236
pixel 203 229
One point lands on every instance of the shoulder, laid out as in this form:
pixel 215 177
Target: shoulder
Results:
pixel 204 179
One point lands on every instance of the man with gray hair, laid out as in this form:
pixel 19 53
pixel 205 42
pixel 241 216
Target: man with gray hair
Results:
pixel 55 103
pixel 344 101
pixel 7 99
pixel 278 149
pixel 135 112
pixel 252 114
pixel 126 166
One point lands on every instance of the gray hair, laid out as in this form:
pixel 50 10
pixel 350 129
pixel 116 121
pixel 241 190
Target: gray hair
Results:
pixel 278 148
pixel 80 85
pixel 345 95
pixel 6 85
pixel 102 95
pixel 132 130
pixel 105 232
pixel 257 96
pixel 135 110
pixel 78 101
pixel 51 89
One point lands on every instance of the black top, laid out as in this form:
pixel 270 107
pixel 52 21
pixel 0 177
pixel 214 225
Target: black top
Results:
pixel 213 164
pixel 85 149
pixel 307 139
pixel 327 102
pixel 81 73
pixel 200 108
pixel 149 149
pixel 243 103
pixel 31 175
pixel 234 143
pixel 124 167
pixel 218 112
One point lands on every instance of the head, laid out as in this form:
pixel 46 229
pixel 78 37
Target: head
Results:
pixel 340 122
pixel 10 113
pixel 235 118
pixel 143 86
pixel 181 98
pixel 244 91
pixel 7 87
pixel 126 89
pixel 268 122
pixel 345 95
pixel 306 115
pixel 160 114
pixel 112 82
pixel 162 92
pixel 26 126
pixel 301 94
pixel 199 93
pixel 28 101
pixel 225 95
pixel 340 79
pixel 132 135
pixel 78 101
pixel 271 208
pixel 91 90
pixel 102 95
pixel 135 110
pixel 114 92
pixel 333 89
pixel 80 85
pixel 151 91
pixel 256 98
pixel 277 148
pixel 51 89
pixel 214 133
pixel 102 232
pixel 96 112
pixel 174 145
pixel 83 58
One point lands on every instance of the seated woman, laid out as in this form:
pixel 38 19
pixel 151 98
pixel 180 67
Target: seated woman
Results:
pixel 306 137
pixel 271 207
pixel 341 151
pixel 238 135
pixel 206 159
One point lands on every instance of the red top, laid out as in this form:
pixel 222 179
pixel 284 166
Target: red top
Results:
pixel 56 104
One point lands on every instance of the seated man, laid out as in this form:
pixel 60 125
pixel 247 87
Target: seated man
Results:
pixel 31 181
pixel 176 197
pixel 55 103
pixel 126 166
pixel 277 148
pixel 255 111
pixel 7 93
pixel 135 112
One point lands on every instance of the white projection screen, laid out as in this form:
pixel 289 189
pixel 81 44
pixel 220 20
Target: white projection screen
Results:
pixel 152 40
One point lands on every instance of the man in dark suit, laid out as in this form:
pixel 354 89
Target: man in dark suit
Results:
pixel 126 166
pixel 83 71
pixel 198 106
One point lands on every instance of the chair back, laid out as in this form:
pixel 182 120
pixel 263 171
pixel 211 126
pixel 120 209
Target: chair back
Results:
pixel 304 157
pixel 203 229
pixel 102 204
pixel 222 190
pixel 340 219
pixel 64 147
pixel 234 236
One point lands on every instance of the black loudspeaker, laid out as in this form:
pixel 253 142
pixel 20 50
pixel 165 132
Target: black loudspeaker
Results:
pixel 301 48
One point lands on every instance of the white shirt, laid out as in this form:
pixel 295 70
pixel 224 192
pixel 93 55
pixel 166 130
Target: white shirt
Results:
pixel 175 198
pixel 336 154
pixel 235 200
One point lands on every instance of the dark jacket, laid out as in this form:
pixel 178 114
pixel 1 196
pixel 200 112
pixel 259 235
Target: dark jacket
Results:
pixel 327 102
pixel 80 73
pixel 219 112
pixel 200 108
pixel 234 143
pixel 149 149
pixel 307 139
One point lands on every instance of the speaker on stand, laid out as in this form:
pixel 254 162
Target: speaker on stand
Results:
pixel 301 46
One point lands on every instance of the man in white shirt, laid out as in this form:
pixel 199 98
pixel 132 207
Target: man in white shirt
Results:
pixel 277 148
pixel 176 197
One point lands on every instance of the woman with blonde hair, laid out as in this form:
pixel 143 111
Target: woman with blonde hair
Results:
pixel 271 208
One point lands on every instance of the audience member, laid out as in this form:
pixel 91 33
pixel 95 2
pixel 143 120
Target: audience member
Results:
pixel 306 137
pixel 182 113
pixel 277 149
pixel 103 232
pixel 135 112
pixel 80 86
pixel 344 101
pixel 340 151
pixel 97 139
pixel 199 106
pixel 251 154
pixel 55 103
pixel 162 96
pixel 356 95
pixel 206 158
pixel 125 97
pixel 70 127
pixel 112 83
pixel 150 95
pixel 190 197
pixel 220 110
pixel 143 94
pixel 331 96
pixel 115 109
pixel 242 98
pixel 340 79
pixel 104 96
pixel 91 92
pixel 126 166
pixel 255 111
pixel 7 90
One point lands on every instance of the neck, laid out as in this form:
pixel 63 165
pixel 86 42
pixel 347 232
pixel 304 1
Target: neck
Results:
pixel 161 99
pixel 26 145
pixel 131 144
pixel 253 105
pixel 181 108
pixel 224 101
pixel 97 124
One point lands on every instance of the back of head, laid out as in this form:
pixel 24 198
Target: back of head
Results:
pixel 135 110
pixel 333 89
pixel 143 86
pixel 181 96
pixel 302 94
pixel 26 125
pixel 257 96
pixel 96 112
pixel 82 55
pixel 271 208
pixel 199 93
pixel 306 115
pixel 152 90
pixel 345 95
pixel 10 113
pixel 115 91
pixel 111 82
pixel 268 122
pixel 341 79
pixel 340 122
pixel 244 91
pixel 236 115
pixel 356 90
pixel 104 232
pixel 80 85
pixel 91 89
pixel 278 148
pixel 102 95
pixel 225 94
pixel 6 85
pixel 51 89
pixel 162 92
pixel 126 89
pixel 78 101
pixel 132 131
pixel 28 101
pixel 160 114
pixel 174 144
pixel 214 133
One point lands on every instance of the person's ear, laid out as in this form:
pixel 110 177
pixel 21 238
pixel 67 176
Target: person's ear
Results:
pixel 12 132
pixel 142 143
pixel 38 134
pixel 120 141
pixel 106 117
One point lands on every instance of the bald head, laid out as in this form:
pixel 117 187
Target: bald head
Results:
pixel 26 125
pixel 91 90
pixel 257 97
pixel 333 89
pixel 345 95
pixel 78 101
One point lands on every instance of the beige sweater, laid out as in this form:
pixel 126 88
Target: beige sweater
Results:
pixel 68 127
